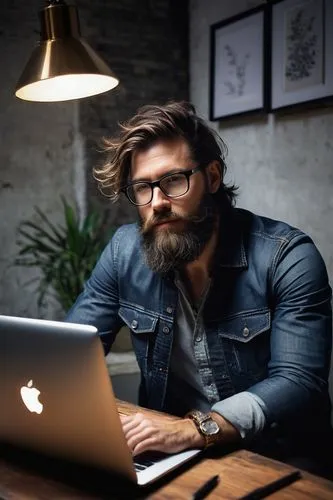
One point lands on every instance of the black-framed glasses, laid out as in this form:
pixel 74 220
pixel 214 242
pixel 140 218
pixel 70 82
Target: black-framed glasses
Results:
pixel 173 185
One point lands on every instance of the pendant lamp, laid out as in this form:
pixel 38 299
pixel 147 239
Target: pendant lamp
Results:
pixel 63 66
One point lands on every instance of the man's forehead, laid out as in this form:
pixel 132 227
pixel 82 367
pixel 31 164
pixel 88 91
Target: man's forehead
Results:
pixel 177 148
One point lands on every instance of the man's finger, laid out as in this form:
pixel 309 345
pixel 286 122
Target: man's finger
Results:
pixel 125 418
pixel 128 418
pixel 141 436
pixel 131 431
pixel 149 444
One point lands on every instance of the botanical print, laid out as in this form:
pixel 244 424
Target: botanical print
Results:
pixel 236 65
pixel 304 46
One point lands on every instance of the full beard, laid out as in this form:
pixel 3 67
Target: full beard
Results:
pixel 166 250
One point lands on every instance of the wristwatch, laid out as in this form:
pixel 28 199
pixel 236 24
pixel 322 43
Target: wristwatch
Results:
pixel 206 425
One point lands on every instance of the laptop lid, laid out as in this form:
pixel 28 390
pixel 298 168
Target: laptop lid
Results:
pixel 59 398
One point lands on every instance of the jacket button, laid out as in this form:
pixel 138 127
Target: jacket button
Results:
pixel 246 332
pixel 169 310
pixel 134 324
pixel 166 329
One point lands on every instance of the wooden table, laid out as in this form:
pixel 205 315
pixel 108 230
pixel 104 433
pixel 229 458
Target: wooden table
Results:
pixel 239 471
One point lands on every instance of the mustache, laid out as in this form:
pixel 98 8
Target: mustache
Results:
pixel 160 217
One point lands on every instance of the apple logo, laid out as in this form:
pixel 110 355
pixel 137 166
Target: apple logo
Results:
pixel 29 397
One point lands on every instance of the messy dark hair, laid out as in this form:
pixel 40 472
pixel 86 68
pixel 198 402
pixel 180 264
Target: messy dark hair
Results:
pixel 151 124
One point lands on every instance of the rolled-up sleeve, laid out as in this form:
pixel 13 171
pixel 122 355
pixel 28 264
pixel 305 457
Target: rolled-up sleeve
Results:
pixel 245 411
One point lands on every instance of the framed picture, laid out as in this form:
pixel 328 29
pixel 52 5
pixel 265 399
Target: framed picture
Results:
pixel 238 62
pixel 302 52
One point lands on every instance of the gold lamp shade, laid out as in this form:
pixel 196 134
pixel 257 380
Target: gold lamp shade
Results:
pixel 63 66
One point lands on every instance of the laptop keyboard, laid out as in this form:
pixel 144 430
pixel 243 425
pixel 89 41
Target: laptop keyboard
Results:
pixel 141 462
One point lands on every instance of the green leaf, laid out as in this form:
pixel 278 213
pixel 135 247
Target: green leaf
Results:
pixel 39 245
pixel 65 254
pixel 47 221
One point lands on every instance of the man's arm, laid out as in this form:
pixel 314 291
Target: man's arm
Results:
pixel 98 304
pixel 146 431
pixel 300 345
pixel 301 339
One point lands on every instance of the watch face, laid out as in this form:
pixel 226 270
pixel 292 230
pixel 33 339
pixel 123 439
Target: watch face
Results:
pixel 210 427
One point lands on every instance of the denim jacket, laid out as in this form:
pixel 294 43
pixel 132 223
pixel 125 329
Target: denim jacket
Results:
pixel 267 316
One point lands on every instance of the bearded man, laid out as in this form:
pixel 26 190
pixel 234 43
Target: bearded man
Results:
pixel 229 312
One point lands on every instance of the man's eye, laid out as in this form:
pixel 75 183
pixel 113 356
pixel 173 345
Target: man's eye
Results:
pixel 140 188
pixel 173 179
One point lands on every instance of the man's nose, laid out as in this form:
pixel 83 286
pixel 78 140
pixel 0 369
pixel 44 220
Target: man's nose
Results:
pixel 159 199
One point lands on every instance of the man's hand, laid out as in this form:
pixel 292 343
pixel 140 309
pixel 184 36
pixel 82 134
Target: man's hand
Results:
pixel 159 433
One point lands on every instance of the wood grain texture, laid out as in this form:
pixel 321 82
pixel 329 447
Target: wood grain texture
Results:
pixel 240 472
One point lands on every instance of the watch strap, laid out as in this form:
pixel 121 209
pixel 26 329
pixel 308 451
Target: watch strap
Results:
pixel 199 418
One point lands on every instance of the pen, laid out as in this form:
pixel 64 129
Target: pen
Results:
pixel 206 488
pixel 270 488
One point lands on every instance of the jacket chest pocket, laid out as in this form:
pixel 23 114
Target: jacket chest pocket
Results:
pixel 245 339
pixel 142 327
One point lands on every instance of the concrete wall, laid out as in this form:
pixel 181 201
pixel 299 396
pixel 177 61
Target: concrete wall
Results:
pixel 36 154
pixel 48 150
pixel 283 164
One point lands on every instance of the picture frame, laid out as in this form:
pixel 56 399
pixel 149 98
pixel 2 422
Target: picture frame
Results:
pixel 239 77
pixel 301 53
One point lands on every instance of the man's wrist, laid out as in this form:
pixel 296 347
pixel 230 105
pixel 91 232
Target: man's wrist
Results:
pixel 207 427
pixel 229 434
pixel 197 440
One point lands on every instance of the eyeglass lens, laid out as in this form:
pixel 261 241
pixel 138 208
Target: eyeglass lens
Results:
pixel 172 185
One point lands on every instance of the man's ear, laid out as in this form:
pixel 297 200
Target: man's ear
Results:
pixel 214 176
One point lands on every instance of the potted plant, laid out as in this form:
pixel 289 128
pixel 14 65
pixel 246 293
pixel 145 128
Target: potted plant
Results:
pixel 65 254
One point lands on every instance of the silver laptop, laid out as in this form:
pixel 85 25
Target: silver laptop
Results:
pixel 58 399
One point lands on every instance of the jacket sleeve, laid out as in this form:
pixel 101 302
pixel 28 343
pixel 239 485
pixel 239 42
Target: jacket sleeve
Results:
pixel 98 304
pixel 301 333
